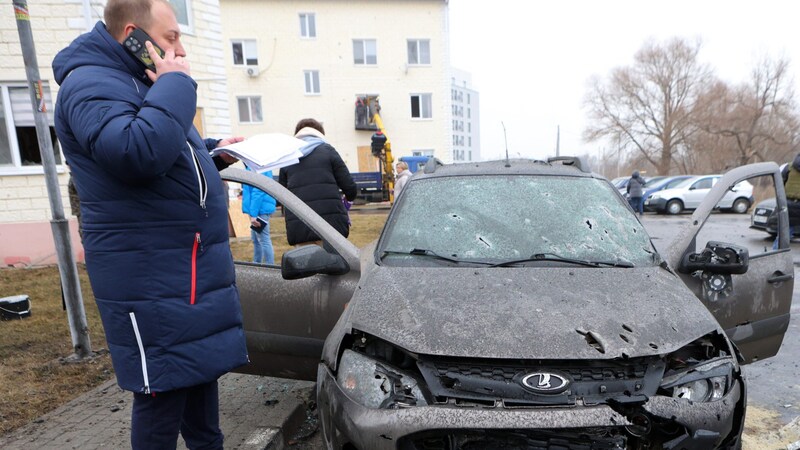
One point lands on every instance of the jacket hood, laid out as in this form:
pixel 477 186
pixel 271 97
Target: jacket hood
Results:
pixel 796 162
pixel 96 48
pixel 530 313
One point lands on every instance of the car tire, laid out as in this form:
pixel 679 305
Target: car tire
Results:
pixel 673 207
pixel 740 206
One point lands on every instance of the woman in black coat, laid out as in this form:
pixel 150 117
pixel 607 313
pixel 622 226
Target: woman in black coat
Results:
pixel 316 180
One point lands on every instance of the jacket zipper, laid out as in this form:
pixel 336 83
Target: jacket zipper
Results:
pixel 197 244
pixel 201 177
pixel 141 352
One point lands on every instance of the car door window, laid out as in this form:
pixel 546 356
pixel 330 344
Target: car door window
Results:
pixel 286 321
pixel 705 183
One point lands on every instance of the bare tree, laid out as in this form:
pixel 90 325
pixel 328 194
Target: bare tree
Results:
pixel 759 117
pixel 649 107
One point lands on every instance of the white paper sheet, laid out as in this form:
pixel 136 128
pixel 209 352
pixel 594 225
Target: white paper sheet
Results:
pixel 263 152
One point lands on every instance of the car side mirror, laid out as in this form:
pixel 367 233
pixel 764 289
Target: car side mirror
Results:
pixel 691 188
pixel 311 260
pixel 717 257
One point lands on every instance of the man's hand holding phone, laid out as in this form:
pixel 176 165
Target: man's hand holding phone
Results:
pixel 169 63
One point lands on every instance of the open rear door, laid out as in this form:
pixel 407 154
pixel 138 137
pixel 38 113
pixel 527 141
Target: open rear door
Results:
pixel 753 307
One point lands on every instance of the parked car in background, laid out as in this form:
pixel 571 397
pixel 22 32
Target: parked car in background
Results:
pixel 518 304
pixel 688 195
pixel 764 218
pixel 661 183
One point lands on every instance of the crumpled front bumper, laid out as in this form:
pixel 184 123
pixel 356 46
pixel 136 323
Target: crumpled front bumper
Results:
pixel 345 421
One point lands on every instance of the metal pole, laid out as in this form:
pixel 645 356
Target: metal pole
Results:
pixel 558 140
pixel 79 329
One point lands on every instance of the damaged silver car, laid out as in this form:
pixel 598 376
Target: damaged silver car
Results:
pixel 521 305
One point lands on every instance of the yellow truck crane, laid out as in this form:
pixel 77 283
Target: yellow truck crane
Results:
pixel 368 117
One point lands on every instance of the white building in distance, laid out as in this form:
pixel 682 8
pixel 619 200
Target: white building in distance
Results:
pixel 287 60
pixel 466 118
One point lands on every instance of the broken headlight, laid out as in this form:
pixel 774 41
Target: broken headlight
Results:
pixel 375 384
pixel 705 382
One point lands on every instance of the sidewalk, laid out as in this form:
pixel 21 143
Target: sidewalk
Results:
pixel 255 413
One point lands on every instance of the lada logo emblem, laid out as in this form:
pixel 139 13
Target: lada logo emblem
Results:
pixel 545 382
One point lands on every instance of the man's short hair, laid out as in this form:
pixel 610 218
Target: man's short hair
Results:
pixel 309 123
pixel 119 13
pixel 402 165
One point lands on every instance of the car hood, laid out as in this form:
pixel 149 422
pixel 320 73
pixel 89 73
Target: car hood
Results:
pixel 529 313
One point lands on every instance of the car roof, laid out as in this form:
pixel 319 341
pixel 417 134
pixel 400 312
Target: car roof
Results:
pixel 508 167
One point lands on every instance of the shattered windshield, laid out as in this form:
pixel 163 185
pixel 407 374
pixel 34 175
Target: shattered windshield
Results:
pixel 495 219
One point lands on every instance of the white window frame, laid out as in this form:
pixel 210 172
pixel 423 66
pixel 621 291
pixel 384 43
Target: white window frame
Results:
pixel 418 44
pixel 188 27
pixel 16 167
pixel 249 99
pixel 363 43
pixel 305 22
pixel 421 96
pixel 310 82
pixel 245 55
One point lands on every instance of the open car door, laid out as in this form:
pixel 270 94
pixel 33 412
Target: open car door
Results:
pixel 744 282
pixel 286 321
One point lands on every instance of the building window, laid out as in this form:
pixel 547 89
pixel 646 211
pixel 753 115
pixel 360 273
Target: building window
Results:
pixel 308 25
pixel 245 52
pixel 183 12
pixel 312 81
pixel 428 153
pixel 250 109
pixel 421 106
pixel 469 113
pixel 365 51
pixel 419 51
pixel 19 145
pixel 469 101
pixel 469 127
pixel 469 141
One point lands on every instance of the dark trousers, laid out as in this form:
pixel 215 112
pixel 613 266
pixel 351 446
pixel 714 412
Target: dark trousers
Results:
pixel 637 204
pixel 193 411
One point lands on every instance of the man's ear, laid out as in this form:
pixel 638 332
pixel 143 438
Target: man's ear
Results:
pixel 126 31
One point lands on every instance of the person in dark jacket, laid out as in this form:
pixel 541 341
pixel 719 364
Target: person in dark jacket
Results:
pixel 791 185
pixel 155 229
pixel 316 180
pixel 635 191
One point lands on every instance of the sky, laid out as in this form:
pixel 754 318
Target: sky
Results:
pixel 531 60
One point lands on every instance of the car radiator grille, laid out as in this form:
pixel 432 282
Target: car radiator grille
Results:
pixel 601 439
pixel 473 383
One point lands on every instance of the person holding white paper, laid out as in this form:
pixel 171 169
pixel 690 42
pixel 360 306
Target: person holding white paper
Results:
pixel 316 179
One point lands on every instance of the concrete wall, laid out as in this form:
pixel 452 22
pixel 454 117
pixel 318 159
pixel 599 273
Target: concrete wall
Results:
pixel 283 55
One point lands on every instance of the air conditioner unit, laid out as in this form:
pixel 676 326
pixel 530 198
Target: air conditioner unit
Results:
pixel 252 71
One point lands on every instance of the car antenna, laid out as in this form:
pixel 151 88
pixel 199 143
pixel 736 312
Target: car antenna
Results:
pixel 508 164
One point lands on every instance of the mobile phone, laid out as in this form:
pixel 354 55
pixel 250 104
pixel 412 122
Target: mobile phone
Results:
pixel 134 43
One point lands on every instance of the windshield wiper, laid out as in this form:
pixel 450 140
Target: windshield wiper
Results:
pixel 559 258
pixel 434 255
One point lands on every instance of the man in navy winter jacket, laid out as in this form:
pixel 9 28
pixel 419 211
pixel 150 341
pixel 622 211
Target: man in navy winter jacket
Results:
pixel 155 227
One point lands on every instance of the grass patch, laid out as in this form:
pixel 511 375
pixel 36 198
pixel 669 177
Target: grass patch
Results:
pixel 35 379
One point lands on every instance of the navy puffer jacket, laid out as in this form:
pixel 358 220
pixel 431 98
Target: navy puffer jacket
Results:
pixel 154 213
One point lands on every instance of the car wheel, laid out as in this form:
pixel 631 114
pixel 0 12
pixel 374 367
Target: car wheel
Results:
pixel 741 205
pixel 674 207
